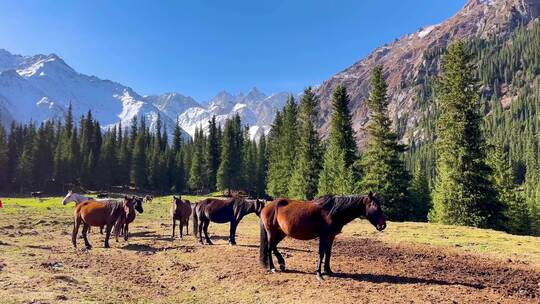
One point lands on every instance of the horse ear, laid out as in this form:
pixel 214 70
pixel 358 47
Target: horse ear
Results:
pixel 174 197
pixel 126 197
pixel 370 195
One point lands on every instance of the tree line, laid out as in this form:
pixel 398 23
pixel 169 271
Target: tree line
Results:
pixel 56 155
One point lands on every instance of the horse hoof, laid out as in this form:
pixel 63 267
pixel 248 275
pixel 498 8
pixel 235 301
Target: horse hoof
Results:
pixel 88 247
pixel 329 273
pixel 282 268
pixel 273 270
pixel 319 276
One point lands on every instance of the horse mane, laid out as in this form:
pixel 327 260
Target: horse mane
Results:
pixel 336 205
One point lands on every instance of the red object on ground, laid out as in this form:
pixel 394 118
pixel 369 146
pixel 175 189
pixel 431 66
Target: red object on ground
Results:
pixel 1 206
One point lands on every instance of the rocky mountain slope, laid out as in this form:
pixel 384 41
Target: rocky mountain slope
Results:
pixel 403 59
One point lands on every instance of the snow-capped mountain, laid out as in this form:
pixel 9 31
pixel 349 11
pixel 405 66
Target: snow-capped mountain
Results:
pixel 38 88
pixel 255 109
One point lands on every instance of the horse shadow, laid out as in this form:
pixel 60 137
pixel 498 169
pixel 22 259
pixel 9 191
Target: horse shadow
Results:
pixel 391 279
pixel 394 279
pixel 149 235
pixel 140 248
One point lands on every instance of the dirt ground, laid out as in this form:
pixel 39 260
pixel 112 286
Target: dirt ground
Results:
pixel 39 265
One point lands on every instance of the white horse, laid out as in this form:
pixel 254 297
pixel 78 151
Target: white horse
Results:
pixel 75 197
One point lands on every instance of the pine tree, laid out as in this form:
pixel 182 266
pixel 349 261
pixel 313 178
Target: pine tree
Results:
pixel 229 171
pixel 517 212
pixel 197 171
pixel 282 150
pixel 337 176
pixel 212 154
pixel 383 170
pixel 305 177
pixel 419 196
pixel 464 194
pixel 262 166
pixel 138 160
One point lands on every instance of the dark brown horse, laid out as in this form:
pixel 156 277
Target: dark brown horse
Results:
pixel 180 211
pixel 306 220
pixel 96 213
pixel 222 211
pixel 127 217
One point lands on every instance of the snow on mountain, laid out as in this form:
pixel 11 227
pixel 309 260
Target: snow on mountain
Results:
pixel 38 88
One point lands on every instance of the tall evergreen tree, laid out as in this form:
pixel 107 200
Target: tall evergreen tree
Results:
pixel 305 177
pixel 282 150
pixel 419 196
pixel 229 171
pixel 463 194
pixel 138 160
pixel 517 212
pixel 262 166
pixel 212 154
pixel 197 171
pixel 383 170
pixel 337 176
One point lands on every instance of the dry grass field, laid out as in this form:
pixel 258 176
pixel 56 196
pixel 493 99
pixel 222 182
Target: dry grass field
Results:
pixel 407 263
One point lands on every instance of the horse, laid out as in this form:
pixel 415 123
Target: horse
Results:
pixel 148 198
pixel 222 211
pixel 102 195
pixel 79 198
pixel 75 197
pixel 306 220
pixel 122 223
pixel 96 213
pixel 180 210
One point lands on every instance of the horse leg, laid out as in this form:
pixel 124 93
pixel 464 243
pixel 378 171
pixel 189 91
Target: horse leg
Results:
pixel 205 227
pixel 271 241
pixel 85 233
pixel 173 227
pixel 201 224
pixel 187 226
pixel 76 224
pixel 108 234
pixel 126 231
pixel 328 253
pixel 232 233
pixel 101 229
pixel 180 227
pixel 281 261
pixel 322 250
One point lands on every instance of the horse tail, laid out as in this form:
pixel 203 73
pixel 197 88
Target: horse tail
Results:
pixel 195 220
pixel 264 249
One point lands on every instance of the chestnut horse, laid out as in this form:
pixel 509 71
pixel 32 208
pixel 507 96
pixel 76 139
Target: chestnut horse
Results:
pixel 95 213
pixel 306 220
pixel 180 210
pixel 126 218
pixel 222 211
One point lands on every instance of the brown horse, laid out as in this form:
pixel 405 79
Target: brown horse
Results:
pixel 306 220
pixel 96 213
pixel 222 211
pixel 127 217
pixel 180 210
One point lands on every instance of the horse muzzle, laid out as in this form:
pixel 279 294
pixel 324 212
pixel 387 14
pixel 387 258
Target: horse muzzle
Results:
pixel 380 227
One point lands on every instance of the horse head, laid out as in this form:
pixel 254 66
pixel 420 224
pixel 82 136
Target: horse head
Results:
pixel 177 201
pixel 68 198
pixel 139 204
pixel 374 212
pixel 128 205
pixel 259 205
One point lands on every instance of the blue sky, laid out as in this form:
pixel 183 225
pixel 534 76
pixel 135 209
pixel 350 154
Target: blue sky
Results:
pixel 200 47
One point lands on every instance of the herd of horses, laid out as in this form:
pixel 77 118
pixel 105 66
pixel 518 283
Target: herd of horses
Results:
pixel 322 218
